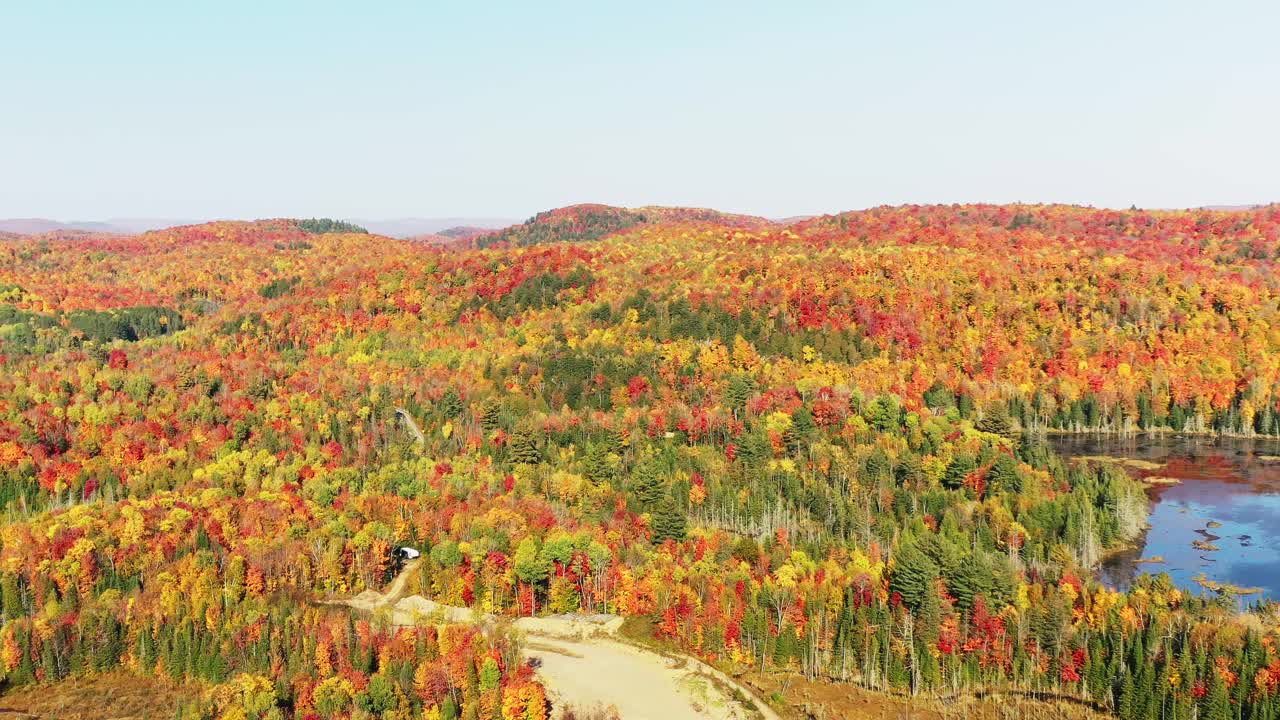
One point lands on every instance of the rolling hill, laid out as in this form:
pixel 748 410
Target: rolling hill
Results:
pixel 578 223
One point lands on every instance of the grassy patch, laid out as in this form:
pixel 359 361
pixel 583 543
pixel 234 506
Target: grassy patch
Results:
pixel 113 696
pixel 547 647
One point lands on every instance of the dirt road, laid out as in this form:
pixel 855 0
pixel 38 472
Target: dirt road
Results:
pixel 598 672
pixel 584 663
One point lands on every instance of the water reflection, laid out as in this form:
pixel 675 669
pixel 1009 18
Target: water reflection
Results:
pixel 1221 521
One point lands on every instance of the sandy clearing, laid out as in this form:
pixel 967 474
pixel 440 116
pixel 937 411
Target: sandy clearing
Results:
pixel 584 666
pixel 641 685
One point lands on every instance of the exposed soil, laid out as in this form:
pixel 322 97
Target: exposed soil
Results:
pixel 637 683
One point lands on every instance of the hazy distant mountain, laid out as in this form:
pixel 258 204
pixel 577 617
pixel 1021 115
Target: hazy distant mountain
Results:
pixel 124 226
pixel 143 224
pixel 400 228
pixel 413 227
pixel 464 232
pixel 433 229
pixel 33 226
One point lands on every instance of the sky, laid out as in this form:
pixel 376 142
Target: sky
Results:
pixel 387 109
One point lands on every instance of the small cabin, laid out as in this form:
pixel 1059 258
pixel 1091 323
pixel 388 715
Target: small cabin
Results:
pixel 406 553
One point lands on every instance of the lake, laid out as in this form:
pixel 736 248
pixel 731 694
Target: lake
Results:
pixel 1221 521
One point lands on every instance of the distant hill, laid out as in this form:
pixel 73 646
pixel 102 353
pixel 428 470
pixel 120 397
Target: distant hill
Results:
pixel 574 223
pixel 119 226
pixel 413 227
pixel 1233 207
pixel 464 232
pixel 462 236
pixel 434 239
pixel 398 228
pixel 145 224
pixel 580 223
pixel 37 226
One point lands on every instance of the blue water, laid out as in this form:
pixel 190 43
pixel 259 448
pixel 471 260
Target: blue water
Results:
pixel 1229 497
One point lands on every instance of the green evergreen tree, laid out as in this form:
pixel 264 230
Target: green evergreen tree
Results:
pixel 1217 703
pixel 669 521
pixel 938 397
pixel 1004 475
pixel 741 388
pixel 997 422
pixel 1095 676
pixel 957 470
pixel 646 485
pixel 11 597
pixel 785 646
pixel 1127 706
pixel 491 415
pixel 523 448
pixel 450 404
pixel 970 578
pixel 914 576
pixel 599 467
pixel 882 413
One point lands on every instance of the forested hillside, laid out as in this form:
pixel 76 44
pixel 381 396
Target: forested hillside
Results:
pixel 813 448
pixel 580 223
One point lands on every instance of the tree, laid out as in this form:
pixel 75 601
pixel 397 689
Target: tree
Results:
pixel 319 226
pixel 957 470
pixel 996 421
pixel 668 521
pixel 646 485
pixel 740 389
pixel 1217 703
pixel 969 579
pixel 599 466
pixel 1004 475
pixel 333 696
pixel 939 397
pixel 882 413
pixel 450 404
pixel 490 415
pixel 531 566
pixel 914 576
pixel 523 448
pixel 1127 707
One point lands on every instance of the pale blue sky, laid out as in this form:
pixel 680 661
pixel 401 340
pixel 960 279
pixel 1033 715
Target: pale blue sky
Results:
pixel 385 109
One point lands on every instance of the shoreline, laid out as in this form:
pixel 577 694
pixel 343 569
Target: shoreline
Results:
pixel 1145 457
pixel 1156 432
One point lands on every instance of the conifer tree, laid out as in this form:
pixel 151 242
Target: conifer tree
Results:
pixel 490 415
pixel 957 470
pixel 1004 475
pixel 668 521
pixel 1127 705
pixel 1217 704
pixel 598 466
pixel 997 422
pixel 646 485
pixel 523 448
pixel 450 404
pixel 914 576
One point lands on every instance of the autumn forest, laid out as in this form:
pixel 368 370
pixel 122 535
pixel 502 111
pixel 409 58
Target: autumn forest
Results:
pixel 816 449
